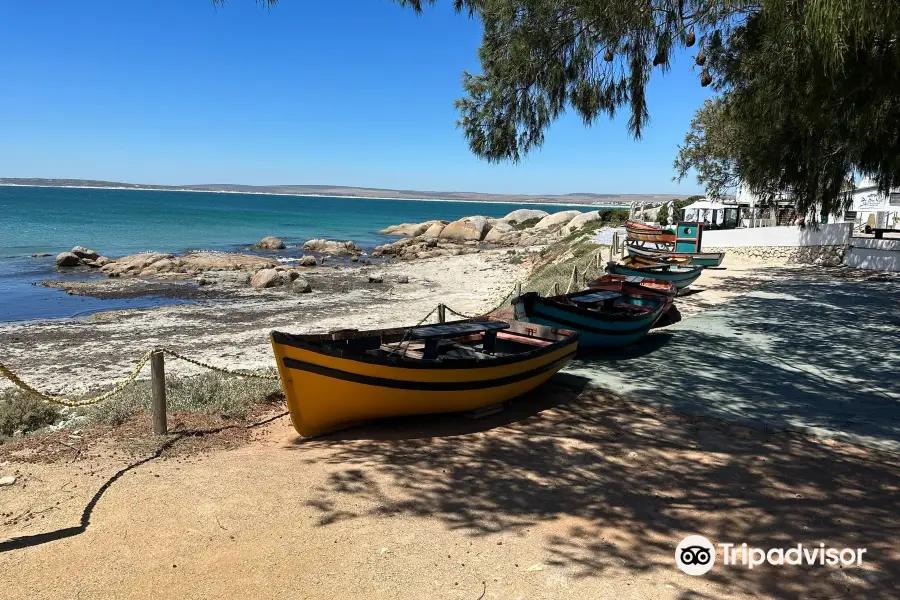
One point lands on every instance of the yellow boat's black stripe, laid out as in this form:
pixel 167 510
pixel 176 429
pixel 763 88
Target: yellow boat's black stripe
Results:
pixel 430 386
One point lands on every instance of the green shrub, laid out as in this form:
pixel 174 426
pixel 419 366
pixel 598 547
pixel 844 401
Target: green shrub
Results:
pixel 23 412
pixel 527 224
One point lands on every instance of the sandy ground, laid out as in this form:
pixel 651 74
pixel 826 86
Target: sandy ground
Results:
pixel 73 356
pixel 567 493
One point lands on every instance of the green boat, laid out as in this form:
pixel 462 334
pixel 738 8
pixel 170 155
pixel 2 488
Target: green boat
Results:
pixel 682 275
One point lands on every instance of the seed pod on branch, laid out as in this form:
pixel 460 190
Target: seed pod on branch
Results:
pixel 608 56
pixel 701 58
pixel 661 58
pixel 705 77
pixel 690 39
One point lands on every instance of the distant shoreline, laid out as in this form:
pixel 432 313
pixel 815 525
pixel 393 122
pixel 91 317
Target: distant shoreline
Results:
pixel 130 189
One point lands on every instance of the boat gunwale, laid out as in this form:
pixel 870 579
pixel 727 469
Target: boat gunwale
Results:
pixel 648 318
pixel 304 342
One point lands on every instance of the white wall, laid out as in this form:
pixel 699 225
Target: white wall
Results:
pixel 869 253
pixel 832 234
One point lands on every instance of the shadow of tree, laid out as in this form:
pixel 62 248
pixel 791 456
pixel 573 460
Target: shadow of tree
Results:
pixel 616 484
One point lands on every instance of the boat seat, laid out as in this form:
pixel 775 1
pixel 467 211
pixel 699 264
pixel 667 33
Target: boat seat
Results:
pixel 432 334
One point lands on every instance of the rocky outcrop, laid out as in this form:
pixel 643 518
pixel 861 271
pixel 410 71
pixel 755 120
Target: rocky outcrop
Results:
pixel 154 264
pixel 467 229
pixel 498 231
pixel 410 229
pixel 524 214
pixel 580 221
pixel 307 261
pixel 269 243
pixel 225 261
pixel 82 252
pixel 266 278
pixel 67 259
pixel 435 229
pixel 557 220
pixel 301 286
pixel 332 247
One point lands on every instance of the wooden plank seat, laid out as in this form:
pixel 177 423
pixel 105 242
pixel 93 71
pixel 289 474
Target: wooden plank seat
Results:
pixel 605 297
pixel 433 334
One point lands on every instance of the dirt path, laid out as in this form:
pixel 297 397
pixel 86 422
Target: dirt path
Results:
pixel 563 495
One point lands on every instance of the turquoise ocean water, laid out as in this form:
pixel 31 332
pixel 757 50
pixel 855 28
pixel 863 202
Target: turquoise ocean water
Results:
pixel 117 222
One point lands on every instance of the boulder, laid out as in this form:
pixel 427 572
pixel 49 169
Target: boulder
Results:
pixel 102 261
pixel 307 261
pixel 466 229
pixel 557 220
pixel 580 221
pixel 524 214
pixel 301 286
pixel 265 278
pixel 293 275
pixel 498 231
pixel 67 259
pixel 402 279
pixel 435 229
pixel 354 258
pixel 409 229
pixel 82 252
pixel 269 243
pixel 332 247
pixel 376 278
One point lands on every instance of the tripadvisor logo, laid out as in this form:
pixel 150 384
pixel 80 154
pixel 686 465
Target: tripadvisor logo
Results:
pixel 696 555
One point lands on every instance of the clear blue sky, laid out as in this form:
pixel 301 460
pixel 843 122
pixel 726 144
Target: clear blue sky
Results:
pixel 358 93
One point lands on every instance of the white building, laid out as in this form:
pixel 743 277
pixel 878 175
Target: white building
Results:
pixel 873 208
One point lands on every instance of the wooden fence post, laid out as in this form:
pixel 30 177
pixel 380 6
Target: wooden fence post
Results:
pixel 573 281
pixel 556 289
pixel 519 290
pixel 158 385
pixel 442 313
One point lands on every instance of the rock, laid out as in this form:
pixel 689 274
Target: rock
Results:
pixel 67 259
pixel 557 220
pixel 332 247
pixel 376 278
pixel 41 255
pixel 354 258
pixel 293 275
pixel 524 214
pixel 402 279
pixel 203 281
pixel 269 243
pixel 82 252
pixel 498 230
pixel 102 261
pixel 307 261
pixel 435 229
pixel 409 229
pixel 301 286
pixel 580 221
pixel 466 229
pixel 365 261
pixel 265 278
pixel 7 480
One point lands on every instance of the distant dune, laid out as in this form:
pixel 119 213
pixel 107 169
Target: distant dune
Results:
pixel 356 192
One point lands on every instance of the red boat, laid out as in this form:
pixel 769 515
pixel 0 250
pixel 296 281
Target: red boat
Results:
pixel 639 232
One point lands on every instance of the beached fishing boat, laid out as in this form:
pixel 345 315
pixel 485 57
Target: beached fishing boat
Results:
pixel 605 319
pixel 640 232
pixel 338 379
pixel 636 285
pixel 680 275
pixel 703 259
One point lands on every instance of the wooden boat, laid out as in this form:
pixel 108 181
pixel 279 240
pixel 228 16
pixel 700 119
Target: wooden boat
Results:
pixel 704 259
pixel 605 319
pixel 337 379
pixel 680 275
pixel 636 285
pixel 639 232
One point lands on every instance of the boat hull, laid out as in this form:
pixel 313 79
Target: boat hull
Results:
pixel 639 232
pixel 646 287
pixel 597 331
pixel 327 391
pixel 682 277
pixel 703 259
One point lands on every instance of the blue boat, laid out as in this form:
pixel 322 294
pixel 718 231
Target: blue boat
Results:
pixel 682 275
pixel 605 319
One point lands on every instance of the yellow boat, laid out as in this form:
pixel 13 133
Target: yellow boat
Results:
pixel 337 379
